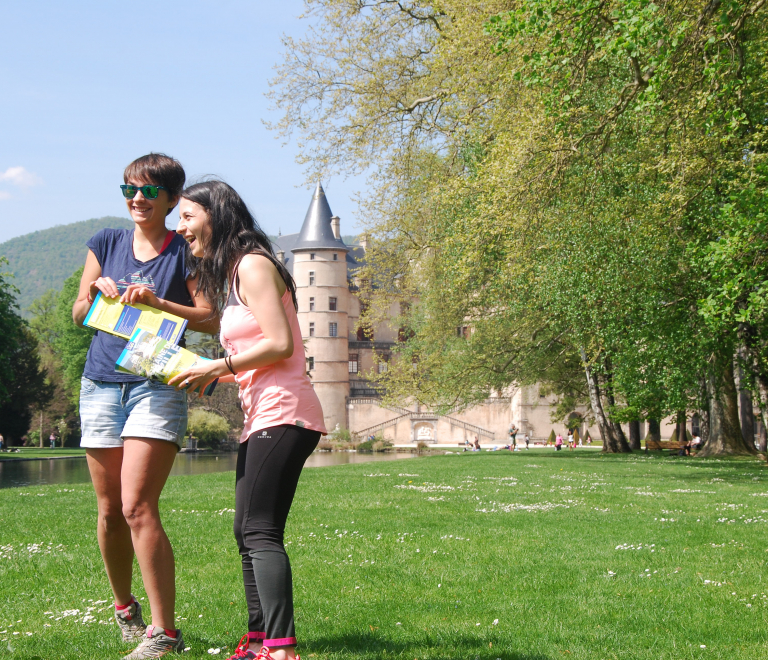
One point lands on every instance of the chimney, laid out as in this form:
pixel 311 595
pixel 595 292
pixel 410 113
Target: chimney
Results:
pixel 335 226
pixel 281 256
pixel 364 241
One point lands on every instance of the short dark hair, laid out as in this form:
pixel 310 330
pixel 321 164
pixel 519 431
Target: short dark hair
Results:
pixel 160 170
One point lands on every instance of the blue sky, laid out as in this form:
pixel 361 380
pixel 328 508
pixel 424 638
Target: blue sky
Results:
pixel 89 86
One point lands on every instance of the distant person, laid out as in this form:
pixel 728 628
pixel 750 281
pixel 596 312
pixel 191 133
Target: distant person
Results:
pixel 513 436
pixel 477 444
pixel 580 443
pixel 558 442
pixel 527 439
pixel 2 442
pixel 132 428
pixel 571 443
pixel 52 441
pixel 283 417
pixel 696 441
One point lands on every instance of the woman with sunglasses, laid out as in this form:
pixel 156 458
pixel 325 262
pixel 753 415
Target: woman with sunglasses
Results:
pixel 132 427
pixel 239 273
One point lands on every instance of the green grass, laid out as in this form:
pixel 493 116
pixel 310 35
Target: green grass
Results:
pixel 45 452
pixel 419 558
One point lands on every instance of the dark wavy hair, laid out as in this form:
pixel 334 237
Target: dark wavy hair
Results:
pixel 234 233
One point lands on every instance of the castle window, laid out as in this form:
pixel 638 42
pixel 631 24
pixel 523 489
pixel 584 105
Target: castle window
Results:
pixel 311 304
pixel 462 331
pixel 335 257
pixel 311 278
pixel 333 329
pixel 311 256
pixel 310 363
pixel 353 363
pixel 332 304
pixel 382 365
pixel 364 335
pixel 311 329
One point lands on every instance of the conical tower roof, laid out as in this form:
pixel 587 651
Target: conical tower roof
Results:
pixel 316 232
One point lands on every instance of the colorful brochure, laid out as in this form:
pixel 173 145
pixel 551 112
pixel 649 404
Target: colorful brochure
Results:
pixel 158 359
pixel 116 318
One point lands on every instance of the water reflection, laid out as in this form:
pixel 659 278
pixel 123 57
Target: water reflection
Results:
pixel 75 470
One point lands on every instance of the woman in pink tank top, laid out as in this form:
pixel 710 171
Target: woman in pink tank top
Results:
pixel 283 420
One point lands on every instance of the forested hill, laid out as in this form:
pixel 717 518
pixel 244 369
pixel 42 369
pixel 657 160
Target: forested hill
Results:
pixel 43 259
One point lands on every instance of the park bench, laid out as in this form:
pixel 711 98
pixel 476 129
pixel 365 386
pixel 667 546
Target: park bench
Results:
pixel 654 445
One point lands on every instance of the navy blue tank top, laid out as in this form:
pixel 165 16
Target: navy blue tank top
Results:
pixel 166 275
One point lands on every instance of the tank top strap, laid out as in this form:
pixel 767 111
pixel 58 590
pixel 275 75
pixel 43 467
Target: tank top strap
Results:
pixel 234 282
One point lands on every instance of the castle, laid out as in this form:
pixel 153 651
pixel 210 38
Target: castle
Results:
pixel 338 352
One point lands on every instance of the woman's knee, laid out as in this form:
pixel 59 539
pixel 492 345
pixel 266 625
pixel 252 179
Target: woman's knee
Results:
pixel 139 513
pixel 110 511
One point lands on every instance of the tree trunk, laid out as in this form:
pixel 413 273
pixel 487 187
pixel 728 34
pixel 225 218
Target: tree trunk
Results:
pixel 762 437
pixel 654 431
pixel 704 412
pixel 610 444
pixel 681 427
pixel 618 432
pixel 724 429
pixel 746 411
pixel 634 435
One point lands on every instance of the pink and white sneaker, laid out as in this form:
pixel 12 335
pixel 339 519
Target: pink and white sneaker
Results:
pixel 242 652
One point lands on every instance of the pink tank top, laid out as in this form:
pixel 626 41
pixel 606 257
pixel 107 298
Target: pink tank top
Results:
pixel 280 393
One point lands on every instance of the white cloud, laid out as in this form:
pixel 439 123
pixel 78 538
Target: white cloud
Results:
pixel 21 177
pixel 4 195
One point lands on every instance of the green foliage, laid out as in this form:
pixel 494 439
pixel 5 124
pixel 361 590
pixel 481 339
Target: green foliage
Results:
pixel 339 435
pixel 9 330
pixel 43 259
pixel 22 383
pixel 576 182
pixel 26 389
pixel 71 341
pixel 208 427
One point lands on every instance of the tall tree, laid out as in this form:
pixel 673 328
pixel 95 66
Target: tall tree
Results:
pixel 553 174
pixel 71 342
pixel 22 383
pixel 59 408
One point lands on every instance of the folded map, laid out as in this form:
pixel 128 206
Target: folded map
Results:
pixel 156 358
pixel 116 318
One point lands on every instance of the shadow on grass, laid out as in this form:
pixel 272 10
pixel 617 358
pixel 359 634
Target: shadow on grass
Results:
pixel 436 646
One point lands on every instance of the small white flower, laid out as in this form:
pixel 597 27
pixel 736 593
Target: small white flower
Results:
pixel 495 622
pixel 439 585
pixel 214 651
pixel 398 624
pixel 703 646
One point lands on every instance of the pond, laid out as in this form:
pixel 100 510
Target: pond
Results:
pixel 75 470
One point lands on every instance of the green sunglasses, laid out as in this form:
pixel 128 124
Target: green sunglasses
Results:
pixel 150 192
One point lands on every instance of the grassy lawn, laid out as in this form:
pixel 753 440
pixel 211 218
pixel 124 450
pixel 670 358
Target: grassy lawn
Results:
pixel 534 556
pixel 36 452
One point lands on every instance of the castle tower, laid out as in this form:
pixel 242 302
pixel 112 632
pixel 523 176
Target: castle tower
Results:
pixel 322 292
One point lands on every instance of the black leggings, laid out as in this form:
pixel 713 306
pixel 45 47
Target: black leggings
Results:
pixel 269 464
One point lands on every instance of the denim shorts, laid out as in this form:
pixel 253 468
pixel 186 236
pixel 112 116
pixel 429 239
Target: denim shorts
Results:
pixel 110 412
